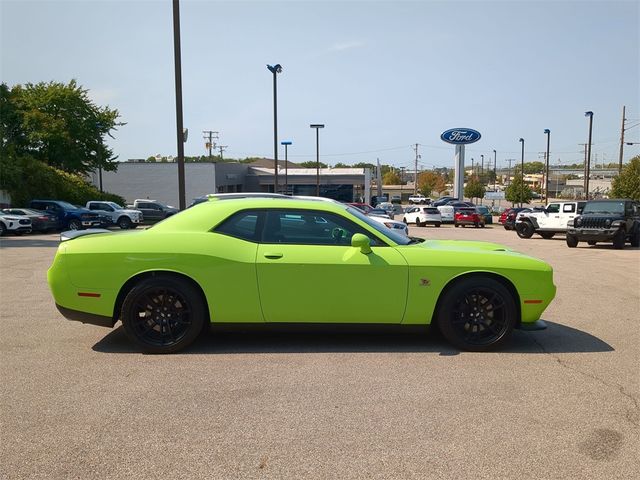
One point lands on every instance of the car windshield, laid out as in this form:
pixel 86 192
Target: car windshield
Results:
pixel 67 205
pixel 612 208
pixel 115 206
pixel 386 232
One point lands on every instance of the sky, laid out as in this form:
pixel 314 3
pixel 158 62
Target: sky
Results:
pixel 382 76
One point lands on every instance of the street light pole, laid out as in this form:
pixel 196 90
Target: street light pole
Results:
pixel 317 126
pixel 178 83
pixel 495 174
pixel 546 172
pixel 275 69
pixel 286 143
pixel 481 167
pixel 522 173
pixel 586 177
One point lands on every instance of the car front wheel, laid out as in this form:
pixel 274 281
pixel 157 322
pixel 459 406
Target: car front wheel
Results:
pixel 163 314
pixel 524 230
pixel 477 314
pixel 75 224
pixel 124 223
pixel 618 239
pixel 572 241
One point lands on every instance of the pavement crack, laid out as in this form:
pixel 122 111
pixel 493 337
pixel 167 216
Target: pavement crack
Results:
pixel 632 416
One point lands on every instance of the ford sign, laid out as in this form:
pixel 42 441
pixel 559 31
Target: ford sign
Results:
pixel 460 136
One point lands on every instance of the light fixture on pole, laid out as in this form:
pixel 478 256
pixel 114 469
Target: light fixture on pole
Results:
pixel 275 69
pixel 317 126
pixel 588 166
pixel 521 172
pixel 286 143
pixel 547 132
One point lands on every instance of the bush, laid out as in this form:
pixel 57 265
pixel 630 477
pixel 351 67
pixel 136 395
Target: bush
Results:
pixel 25 178
pixel 627 184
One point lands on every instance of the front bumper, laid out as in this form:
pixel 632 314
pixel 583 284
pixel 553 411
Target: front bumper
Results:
pixel 597 235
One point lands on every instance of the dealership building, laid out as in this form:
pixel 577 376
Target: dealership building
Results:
pixel 159 181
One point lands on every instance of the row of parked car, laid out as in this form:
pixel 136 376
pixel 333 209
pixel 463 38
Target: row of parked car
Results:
pixel 614 221
pixel 48 215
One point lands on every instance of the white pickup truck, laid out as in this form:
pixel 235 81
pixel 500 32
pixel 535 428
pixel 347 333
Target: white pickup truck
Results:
pixel 419 199
pixel 123 217
pixel 546 223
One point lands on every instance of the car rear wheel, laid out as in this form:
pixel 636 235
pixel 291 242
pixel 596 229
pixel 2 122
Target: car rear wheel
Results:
pixel 124 223
pixel 477 314
pixel 163 314
pixel 547 235
pixel 618 239
pixel 438 225
pixel 635 238
pixel 3 229
pixel 75 224
pixel 572 241
pixel 404 220
pixel 524 230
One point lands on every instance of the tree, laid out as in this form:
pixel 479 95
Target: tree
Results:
pixel 474 189
pixel 627 184
pixel 440 185
pixel 312 164
pixel 427 182
pixel 518 191
pixel 533 167
pixel 59 125
pixel 341 165
pixel 391 178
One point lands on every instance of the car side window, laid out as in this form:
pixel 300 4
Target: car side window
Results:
pixel 243 225
pixel 308 227
pixel 568 208
pixel 553 208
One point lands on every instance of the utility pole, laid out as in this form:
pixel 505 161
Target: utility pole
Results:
pixel 509 170
pixel 210 144
pixel 621 140
pixel 222 148
pixel 415 178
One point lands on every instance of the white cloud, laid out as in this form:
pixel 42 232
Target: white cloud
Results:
pixel 341 47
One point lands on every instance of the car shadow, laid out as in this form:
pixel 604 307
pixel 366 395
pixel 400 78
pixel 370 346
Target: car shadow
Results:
pixel 556 338
pixel 20 242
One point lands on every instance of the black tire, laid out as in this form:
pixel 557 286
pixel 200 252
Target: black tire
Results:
pixel 124 222
pixel 477 314
pixel 524 230
pixel 547 235
pixel 3 229
pixel 482 225
pixel 592 242
pixel 404 220
pixel 618 239
pixel 572 241
pixel 506 227
pixel 635 238
pixel 179 310
pixel 438 225
pixel 455 225
pixel 418 222
pixel 75 224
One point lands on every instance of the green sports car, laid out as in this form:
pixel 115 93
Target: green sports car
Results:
pixel 292 260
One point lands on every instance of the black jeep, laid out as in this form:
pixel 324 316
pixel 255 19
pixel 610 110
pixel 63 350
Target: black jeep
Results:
pixel 616 221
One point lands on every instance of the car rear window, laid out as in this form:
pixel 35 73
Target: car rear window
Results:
pixel 241 225
pixel 431 210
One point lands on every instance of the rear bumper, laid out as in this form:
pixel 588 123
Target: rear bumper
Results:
pixel 84 317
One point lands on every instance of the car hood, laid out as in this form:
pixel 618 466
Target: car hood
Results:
pixel 463 246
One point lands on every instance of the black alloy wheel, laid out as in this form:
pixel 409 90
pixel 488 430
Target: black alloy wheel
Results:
pixel 477 314
pixel 163 314
pixel 124 223
pixel 75 224
pixel 524 229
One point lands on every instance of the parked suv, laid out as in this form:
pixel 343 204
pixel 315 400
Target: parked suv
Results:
pixel 68 216
pixel 419 199
pixel 123 217
pixel 614 221
pixel 152 210
pixel 546 223
pixel 423 216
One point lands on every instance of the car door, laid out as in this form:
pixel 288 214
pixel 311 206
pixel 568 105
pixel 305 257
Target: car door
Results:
pixel 550 217
pixel 412 214
pixel 567 215
pixel 309 272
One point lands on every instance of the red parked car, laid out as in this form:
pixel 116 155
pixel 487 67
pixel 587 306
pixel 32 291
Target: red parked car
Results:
pixel 468 216
pixel 503 216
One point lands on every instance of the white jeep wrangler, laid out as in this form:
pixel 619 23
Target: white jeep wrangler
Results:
pixel 546 223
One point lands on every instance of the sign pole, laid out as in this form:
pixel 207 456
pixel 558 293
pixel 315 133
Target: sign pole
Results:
pixel 458 185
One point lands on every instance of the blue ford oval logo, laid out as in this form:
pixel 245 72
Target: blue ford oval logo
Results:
pixel 460 136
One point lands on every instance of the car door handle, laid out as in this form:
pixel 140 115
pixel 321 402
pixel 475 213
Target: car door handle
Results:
pixel 273 256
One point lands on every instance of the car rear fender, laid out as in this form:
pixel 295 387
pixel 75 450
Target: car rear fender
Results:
pixel 134 280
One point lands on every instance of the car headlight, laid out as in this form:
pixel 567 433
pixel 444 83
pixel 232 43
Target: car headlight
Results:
pixel 578 221
pixel 607 223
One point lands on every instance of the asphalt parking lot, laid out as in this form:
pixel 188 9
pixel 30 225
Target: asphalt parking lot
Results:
pixel 79 402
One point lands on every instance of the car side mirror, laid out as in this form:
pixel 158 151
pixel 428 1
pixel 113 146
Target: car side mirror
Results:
pixel 362 242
